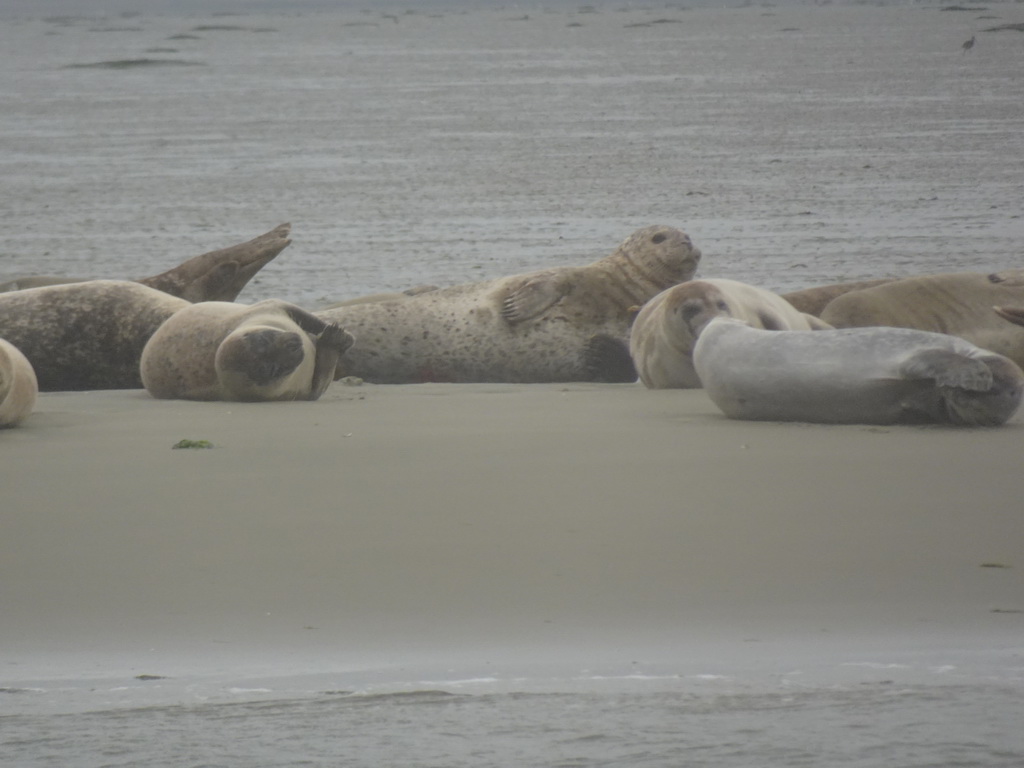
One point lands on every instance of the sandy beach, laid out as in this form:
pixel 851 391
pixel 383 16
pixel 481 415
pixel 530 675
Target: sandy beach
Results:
pixel 678 588
pixel 459 524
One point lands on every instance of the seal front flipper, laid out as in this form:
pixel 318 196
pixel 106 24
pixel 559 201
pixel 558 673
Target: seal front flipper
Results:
pixel 329 348
pixel 534 297
pixel 948 369
pixel 307 321
pixel 1008 277
pixel 607 359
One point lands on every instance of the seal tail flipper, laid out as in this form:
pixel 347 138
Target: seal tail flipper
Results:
pixel 533 298
pixel 948 369
pixel 606 359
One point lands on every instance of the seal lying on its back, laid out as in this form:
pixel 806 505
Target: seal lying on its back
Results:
pixel 216 350
pixel 564 324
pixel 958 303
pixel 214 276
pixel 855 376
pixel 18 386
pixel 663 335
pixel 85 335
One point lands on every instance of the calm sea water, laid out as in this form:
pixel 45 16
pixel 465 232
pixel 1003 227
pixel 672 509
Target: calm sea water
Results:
pixel 856 713
pixel 443 143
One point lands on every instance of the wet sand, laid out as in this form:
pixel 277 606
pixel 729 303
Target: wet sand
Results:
pixel 502 525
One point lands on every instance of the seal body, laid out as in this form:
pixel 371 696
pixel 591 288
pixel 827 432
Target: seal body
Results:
pixel 217 350
pixel 563 324
pixel 856 375
pixel 814 300
pixel 958 303
pixel 85 335
pixel 18 385
pixel 664 332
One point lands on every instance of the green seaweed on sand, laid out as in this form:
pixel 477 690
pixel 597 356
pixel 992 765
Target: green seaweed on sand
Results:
pixel 186 443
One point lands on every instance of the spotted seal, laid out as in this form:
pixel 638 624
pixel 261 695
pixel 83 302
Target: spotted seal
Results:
pixel 561 324
pixel 855 375
pixel 85 335
pixel 18 385
pixel 217 350
pixel 664 332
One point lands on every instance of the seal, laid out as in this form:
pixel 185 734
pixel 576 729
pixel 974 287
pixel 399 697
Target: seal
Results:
pixel 375 298
pixel 957 303
pixel 217 350
pixel 18 386
pixel 814 300
pixel 85 335
pixel 855 376
pixel 664 332
pixel 560 324
pixel 215 276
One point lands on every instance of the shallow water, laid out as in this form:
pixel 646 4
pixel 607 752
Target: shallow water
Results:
pixel 797 145
pixel 857 713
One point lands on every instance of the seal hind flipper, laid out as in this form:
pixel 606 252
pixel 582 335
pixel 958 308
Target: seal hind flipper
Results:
pixel 607 359
pixel 221 275
pixel 948 369
pixel 534 297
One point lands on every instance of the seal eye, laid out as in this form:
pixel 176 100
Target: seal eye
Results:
pixel 659 238
pixel 722 306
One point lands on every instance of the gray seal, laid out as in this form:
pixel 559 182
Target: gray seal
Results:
pixel 664 332
pixel 217 350
pixel 18 385
pixel 855 376
pixel 561 324
pixel 85 335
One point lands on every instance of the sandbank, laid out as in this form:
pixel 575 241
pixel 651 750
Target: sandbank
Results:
pixel 493 524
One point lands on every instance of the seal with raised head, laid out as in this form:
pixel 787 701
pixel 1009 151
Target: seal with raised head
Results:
pixel 85 335
pixel 957 303
pixel 18 386
pixel 215 276
pixel 217 350
pixel 562 324
pixel 855 376
pixel 664 332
